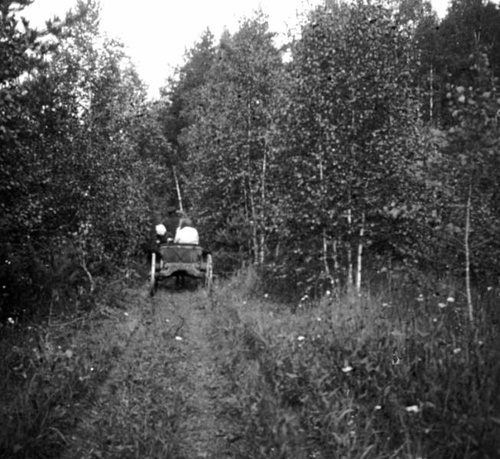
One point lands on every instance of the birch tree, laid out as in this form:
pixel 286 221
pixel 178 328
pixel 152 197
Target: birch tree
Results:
pixel 353 129
pixel 473 158
pixel 229 139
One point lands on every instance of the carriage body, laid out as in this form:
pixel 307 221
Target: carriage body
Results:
pixel 180 260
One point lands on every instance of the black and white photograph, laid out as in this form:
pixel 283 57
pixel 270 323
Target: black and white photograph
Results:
pixel 250 229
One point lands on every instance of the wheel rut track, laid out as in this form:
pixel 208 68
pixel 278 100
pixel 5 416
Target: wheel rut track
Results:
pixel 166 394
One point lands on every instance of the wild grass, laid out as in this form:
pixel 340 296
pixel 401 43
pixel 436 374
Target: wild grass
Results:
pixel 49 371
pixel 378 375
pixel 365 376
pixel 138 410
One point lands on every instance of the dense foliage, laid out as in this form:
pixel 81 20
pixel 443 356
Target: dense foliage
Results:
pixel 79 153
pixel 367 143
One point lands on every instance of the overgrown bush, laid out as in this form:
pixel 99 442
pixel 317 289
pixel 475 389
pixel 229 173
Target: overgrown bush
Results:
pixel 77 169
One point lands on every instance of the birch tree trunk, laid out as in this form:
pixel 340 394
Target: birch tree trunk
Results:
pixel 336 267
pixel 431 94
pixel 263 207
pixel 350 268
pixel 326 267
pixel 467 254
pixel 178 188
pixel 253 213
pixel 359 263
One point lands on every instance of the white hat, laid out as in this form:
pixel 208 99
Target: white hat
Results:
pixel 161 230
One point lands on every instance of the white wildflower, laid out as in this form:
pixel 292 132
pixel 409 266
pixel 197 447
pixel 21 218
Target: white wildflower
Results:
pixel 457 350
pixel 178 338
pixel 347 368
pixel 301 338
pixel 11 320
pixel 328 293
pixel 420 298
pixel 450 299
pixel 377 407
pixel 442 305
pixel 266 295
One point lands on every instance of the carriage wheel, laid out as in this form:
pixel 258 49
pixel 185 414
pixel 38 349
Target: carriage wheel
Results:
pixel 209 273
pixel 152 280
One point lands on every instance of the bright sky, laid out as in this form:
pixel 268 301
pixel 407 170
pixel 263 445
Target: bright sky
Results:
pixel 158 32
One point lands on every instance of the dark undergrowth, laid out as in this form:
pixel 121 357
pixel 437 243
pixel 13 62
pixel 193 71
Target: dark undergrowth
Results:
pixel 52 366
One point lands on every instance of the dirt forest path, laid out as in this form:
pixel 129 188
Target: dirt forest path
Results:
pixel 165 395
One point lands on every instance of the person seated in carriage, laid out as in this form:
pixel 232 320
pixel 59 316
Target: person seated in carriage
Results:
pixel 186 233
pixel 161 234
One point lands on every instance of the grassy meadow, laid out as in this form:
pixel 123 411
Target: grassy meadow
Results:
pixel 51 370
pixel 386 375
pixel 393 374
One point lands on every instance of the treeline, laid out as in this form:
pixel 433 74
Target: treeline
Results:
pixel 369 141
pixel 79 159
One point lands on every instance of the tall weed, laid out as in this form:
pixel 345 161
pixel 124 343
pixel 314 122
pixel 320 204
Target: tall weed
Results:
pixel 371 375
pixel 48 372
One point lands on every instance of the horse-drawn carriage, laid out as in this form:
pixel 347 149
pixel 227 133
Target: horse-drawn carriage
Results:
pixel 180 261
